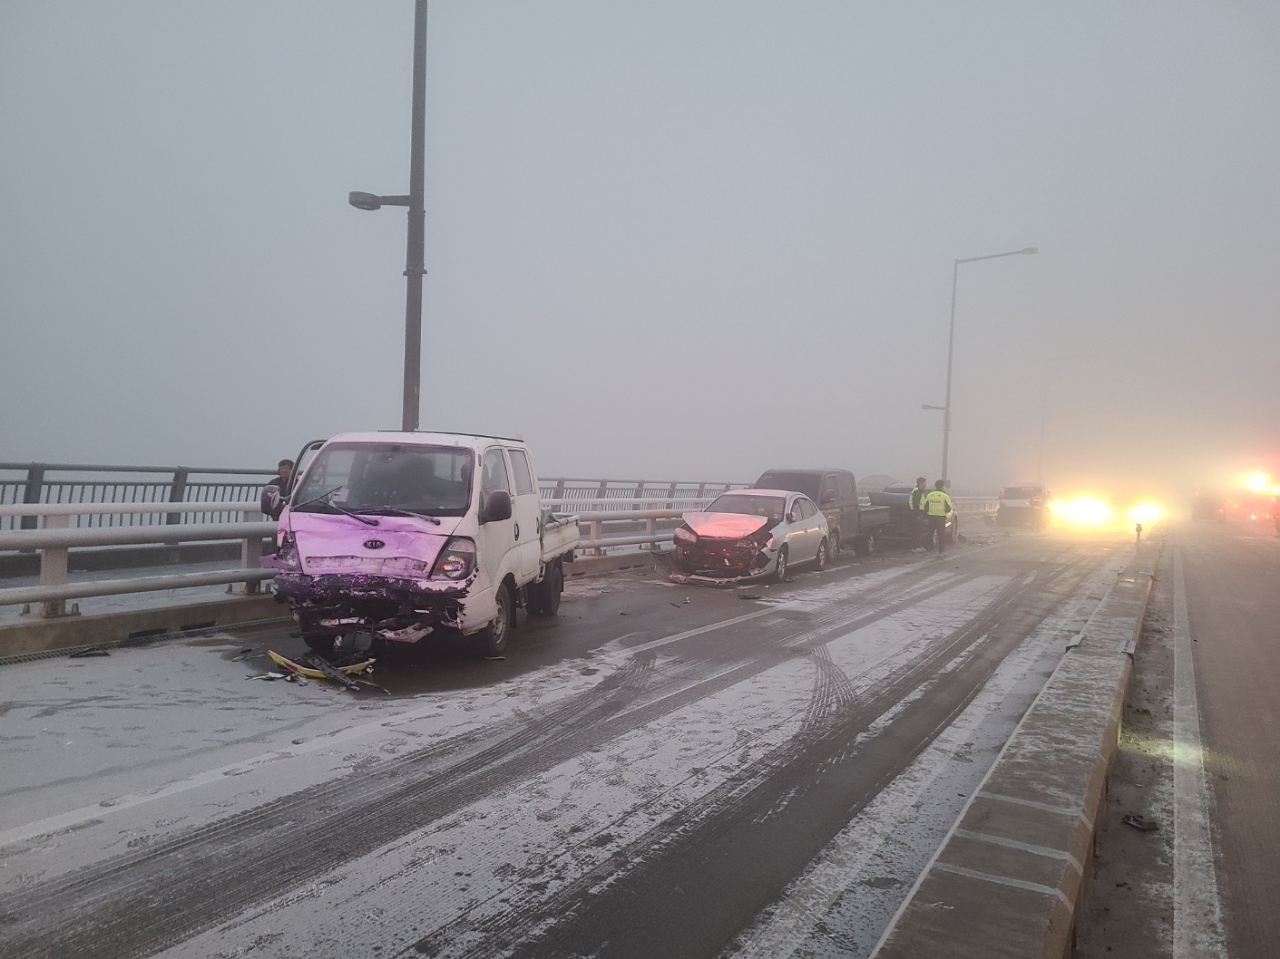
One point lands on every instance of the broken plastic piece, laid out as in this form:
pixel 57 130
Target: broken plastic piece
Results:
pixel 1140 823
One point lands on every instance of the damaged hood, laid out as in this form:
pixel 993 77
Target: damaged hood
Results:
pixel 732 526
pixel 398 546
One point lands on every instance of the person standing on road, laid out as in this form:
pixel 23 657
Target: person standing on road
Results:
pixel 276 490
pixel 937 506
pixel 918 521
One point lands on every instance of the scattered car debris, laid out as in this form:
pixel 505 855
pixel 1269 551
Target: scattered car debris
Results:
pixel 318 668
pixel 242 654
pixel 1140 823
pixel 91 651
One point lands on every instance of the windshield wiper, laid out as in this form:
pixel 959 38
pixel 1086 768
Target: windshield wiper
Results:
pixel 396 511
pixel 324 497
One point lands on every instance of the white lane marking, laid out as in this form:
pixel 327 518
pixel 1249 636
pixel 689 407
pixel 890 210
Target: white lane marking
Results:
pixel 1197 910
pixel 1005 881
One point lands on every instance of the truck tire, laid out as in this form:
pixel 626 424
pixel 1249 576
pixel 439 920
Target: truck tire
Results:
pixel 492 640
pixel 865 545
pixel 319 642
pixel 834 546
pixel 543 599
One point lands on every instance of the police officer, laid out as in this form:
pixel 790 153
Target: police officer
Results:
pixel 918 522
pixel 937 505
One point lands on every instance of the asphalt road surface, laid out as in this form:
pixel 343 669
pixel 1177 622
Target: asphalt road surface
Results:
pixel 663 770
pixel 1198 762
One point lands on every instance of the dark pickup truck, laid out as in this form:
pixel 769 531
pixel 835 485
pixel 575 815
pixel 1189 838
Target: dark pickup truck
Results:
pixel 903 523
pixel 836 493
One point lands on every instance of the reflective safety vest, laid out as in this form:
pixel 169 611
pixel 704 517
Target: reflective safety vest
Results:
pixel 917 494
pixel 937 503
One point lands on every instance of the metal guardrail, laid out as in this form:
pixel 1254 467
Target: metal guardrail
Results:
pixel 649 516
pixel 77 483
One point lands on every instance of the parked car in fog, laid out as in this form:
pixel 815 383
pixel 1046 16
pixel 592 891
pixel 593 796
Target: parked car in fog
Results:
pixel 1023 504
pixel 748 534
pixel 850 521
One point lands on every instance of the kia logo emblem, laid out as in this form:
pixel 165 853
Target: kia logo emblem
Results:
pixel 374 544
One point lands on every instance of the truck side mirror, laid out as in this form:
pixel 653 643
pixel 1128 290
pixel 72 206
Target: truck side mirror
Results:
pixel 496 506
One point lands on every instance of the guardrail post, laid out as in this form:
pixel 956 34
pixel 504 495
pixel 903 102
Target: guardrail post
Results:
pixel 31 494
pixel 177 493
pixel 251 551
pixel 53 568
pixel 651 529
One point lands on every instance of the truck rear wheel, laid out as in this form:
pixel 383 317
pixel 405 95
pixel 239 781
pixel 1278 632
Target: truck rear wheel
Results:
pixel 864 545
pixel 543 599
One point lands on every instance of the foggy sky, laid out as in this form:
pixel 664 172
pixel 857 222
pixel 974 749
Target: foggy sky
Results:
pixel 664 240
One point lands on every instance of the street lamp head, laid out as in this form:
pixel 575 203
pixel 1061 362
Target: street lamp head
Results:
pixel 364 201
pixel 1027 251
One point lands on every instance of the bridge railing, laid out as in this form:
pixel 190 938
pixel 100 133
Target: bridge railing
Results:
pixel 613 514
pixel 74 483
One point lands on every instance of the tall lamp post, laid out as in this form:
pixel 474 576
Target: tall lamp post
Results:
pixel 951 342
pixel 415 257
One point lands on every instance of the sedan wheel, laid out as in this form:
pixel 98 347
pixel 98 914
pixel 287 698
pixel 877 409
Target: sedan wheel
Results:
pixel 821 561
pixel 780 570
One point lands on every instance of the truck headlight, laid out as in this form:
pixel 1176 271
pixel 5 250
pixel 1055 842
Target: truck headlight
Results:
pixel 456 561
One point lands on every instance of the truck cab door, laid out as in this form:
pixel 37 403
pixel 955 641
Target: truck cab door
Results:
pixel 496 542
pixel 526 504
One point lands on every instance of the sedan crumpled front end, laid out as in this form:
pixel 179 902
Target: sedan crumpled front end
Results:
pixel 722 548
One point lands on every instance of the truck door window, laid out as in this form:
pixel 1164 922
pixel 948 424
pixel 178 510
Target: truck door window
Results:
pixel 521 473
pixel 845 483
pixel 494 472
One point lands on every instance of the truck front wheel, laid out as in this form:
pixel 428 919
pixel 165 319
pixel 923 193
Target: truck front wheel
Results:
pixel 492 640
pixel 864 545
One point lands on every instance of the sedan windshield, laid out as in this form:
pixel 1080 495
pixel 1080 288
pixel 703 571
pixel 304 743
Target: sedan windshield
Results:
pixel 388 477
pixel 770 506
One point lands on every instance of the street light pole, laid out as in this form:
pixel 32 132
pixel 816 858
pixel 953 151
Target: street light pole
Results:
pixel 415 248
pixel 415 256
pixel 951 343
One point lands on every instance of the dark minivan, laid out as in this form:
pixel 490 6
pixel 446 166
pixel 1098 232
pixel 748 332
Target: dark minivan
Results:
pixel 836 493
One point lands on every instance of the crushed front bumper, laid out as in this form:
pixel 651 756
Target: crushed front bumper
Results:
pixel 398 609
pixel 719 563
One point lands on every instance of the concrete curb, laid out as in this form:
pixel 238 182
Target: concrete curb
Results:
pixel 1009 878
pixel 611 563
pixel 98 629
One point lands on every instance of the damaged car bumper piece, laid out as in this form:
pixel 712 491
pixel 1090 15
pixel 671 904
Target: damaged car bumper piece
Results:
pixel 392 609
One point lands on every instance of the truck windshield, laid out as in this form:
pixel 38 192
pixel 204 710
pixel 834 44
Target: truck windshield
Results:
pixel 369 477
pixel 1022 492
pixel 806 483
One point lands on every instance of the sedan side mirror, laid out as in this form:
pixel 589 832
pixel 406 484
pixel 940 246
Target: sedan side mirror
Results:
pixel 496 506
pixel 792 517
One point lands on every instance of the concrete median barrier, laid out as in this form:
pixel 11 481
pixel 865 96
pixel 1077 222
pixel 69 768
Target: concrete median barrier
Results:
pixel 1010 876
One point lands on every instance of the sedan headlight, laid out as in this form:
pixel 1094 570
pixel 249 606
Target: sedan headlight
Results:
pixel 685 535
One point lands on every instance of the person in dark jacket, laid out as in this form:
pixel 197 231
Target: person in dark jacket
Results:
pixel 276 491
pixel 917 513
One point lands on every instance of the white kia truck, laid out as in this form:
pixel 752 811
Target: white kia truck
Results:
pixel 398 534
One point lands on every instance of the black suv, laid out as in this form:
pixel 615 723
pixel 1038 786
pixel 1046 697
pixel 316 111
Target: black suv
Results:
pixel 835 492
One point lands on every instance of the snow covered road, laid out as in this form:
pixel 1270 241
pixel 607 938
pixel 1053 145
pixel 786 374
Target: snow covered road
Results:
pixel 759 772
